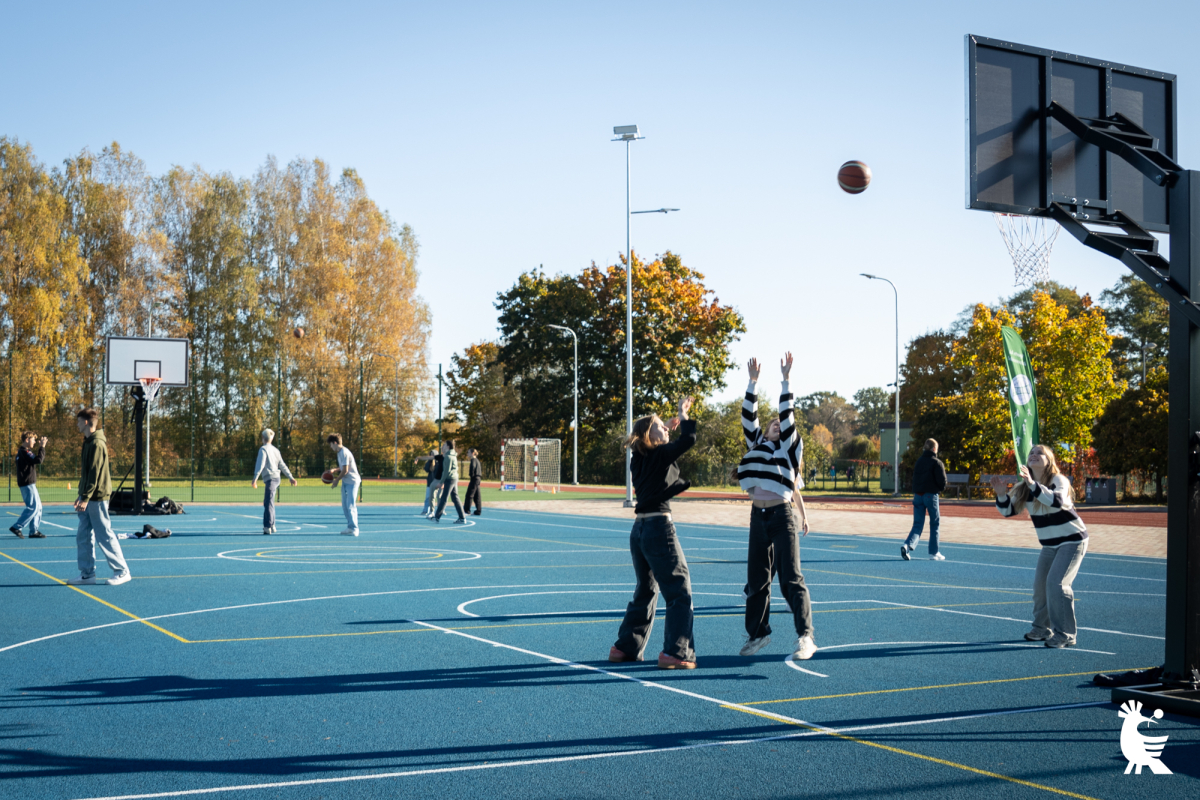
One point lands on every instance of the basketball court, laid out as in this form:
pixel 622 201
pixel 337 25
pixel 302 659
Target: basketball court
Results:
pixel 428 659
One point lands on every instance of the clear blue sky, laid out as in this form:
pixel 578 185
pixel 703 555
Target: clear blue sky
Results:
pixel 486 127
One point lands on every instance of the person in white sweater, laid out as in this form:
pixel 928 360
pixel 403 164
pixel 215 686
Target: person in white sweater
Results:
pixel 1046 494
pixel 270 464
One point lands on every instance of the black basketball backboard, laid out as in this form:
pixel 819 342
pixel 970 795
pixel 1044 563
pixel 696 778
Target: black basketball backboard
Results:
pixel 1019 159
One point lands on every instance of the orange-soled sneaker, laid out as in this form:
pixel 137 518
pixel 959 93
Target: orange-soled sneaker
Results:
pixel 619 656
pixel 671 662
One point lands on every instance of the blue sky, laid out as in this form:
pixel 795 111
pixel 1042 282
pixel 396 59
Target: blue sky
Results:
pixel 487 127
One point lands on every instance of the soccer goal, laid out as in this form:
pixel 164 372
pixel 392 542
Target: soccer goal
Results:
pixel 531 464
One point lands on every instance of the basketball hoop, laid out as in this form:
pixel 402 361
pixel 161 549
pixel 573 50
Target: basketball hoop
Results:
pixel 150 387
pixel 1029 241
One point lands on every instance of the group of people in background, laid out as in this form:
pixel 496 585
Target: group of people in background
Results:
pixel 441 483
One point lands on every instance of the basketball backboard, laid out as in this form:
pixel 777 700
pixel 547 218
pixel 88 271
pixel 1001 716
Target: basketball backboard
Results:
pixel 1019 159
pixel 131 357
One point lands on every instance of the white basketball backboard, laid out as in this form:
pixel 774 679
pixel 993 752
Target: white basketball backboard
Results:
pixel 131 357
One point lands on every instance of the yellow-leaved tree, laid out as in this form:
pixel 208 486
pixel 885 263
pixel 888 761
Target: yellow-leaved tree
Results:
pixel 1073 373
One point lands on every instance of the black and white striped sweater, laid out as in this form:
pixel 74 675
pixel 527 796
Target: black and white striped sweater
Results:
pixel 1052 510
pixel 771 466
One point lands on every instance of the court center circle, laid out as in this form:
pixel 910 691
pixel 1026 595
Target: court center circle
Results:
pixel 348 554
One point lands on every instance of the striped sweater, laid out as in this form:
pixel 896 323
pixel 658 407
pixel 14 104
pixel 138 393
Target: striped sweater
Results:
pixel 771 466
pixel 1052 510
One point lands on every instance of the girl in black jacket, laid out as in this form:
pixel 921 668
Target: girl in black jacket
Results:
pixel 658 560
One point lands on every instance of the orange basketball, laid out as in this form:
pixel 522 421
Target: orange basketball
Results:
pixel 298 333
pixel 854 177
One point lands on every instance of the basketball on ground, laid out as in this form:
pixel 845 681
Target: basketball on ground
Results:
pixel 298 333
pixel 327 476
pixel 854 177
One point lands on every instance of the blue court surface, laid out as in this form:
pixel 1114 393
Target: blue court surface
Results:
pixel 424 660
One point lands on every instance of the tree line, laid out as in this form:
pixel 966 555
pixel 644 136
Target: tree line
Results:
pixel 98 247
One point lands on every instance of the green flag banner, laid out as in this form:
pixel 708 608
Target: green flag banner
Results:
pixel 1022 396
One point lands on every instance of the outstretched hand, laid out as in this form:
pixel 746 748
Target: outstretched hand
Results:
pixel 785 365
pixel 754 368
pixel 999 485
pixel 1024 472
pixel 685 405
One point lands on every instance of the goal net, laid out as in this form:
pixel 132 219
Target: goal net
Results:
pixel 531 464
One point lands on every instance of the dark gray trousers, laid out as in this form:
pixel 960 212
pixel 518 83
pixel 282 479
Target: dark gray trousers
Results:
pixel 659 563
pixel 775 546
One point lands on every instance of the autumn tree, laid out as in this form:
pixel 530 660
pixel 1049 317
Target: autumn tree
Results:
pixel 873 405
pixel 478 397
pixel 681 344
pixel 927 373
pixel 1073 373
pixel 1131 434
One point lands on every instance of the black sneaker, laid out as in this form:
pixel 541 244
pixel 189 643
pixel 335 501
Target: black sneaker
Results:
pixel 37 535
pixel 904 553
pixel 17 531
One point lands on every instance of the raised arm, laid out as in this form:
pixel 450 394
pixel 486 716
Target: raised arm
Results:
pixel 789 437
pixel 750 406
pixel 687 436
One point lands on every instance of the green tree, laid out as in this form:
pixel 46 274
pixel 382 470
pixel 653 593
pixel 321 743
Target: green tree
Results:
pixel 927 373
pixel 1131 435
pixel 873 405
pixel 1140 318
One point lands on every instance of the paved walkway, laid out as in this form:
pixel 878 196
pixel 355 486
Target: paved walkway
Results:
pixel 1109 531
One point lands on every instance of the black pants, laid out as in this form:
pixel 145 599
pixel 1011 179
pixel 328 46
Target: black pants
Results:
pixel 658 561
pixel 472 494
pixel 775 547
pixel 449 489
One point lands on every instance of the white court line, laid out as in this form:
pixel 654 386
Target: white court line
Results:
pixel 1076 649
pixel 277 519
pixel 462 607
pixel 791 662
pixel 1013 619
pixel 592 756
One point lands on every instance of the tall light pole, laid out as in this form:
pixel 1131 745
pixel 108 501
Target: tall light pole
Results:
pixel 628 134
pixel 896 463
pixel 575 419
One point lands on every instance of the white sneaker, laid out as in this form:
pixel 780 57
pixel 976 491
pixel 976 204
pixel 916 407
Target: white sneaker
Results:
pixel 349 532
pixel 805 647
pixel 266 531
pixel 752 646
pixel 274 529
pixel 937 557
pixel 117 580
pixel 81 581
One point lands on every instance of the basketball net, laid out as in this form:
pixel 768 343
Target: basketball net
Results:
pixel 1029 241
pixel 150 387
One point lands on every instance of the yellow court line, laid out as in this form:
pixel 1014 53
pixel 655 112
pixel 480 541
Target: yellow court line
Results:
pixel 922 583
pixel 923 688
pixel 97 599
pixel 921 756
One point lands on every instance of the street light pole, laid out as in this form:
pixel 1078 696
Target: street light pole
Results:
pixel 896 451
pixel 575 419
pixel 628 134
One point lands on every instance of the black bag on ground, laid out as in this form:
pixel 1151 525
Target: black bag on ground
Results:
pixel 165 505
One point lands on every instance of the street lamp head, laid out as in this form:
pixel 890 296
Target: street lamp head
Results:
pixel 626 132
pixel 867 275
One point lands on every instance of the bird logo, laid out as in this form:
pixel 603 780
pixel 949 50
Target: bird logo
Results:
pixel 1142 751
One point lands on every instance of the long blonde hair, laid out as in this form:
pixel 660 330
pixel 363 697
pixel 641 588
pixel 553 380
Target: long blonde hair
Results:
pixel 1020 492
pixel 639 440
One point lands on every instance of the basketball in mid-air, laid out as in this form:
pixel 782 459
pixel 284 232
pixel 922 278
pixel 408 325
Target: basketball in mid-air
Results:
pixel 854 177
pixel 327 476
pixel 298 333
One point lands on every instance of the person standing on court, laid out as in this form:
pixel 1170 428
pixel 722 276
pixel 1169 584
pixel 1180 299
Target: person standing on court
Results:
pixel 449 484
pixel 929 480
pixel 27 473
pixel 347 474
pixel 770 474
pixel 476 477
pixel 95 527
pixel 269 464
pixel 658 559
pixel 1046 493
pixel 433 480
